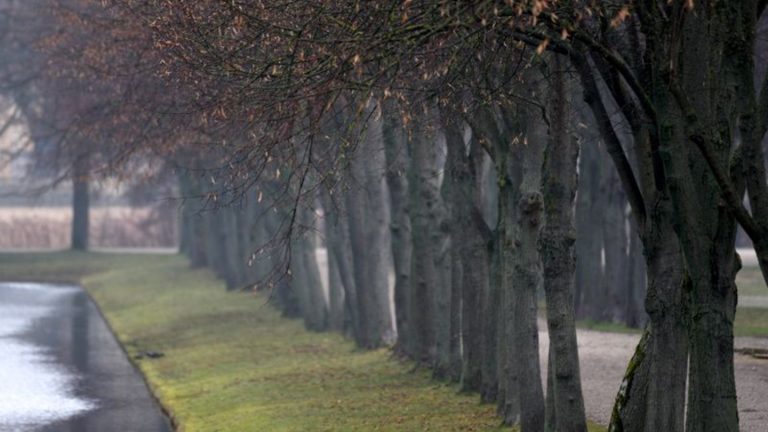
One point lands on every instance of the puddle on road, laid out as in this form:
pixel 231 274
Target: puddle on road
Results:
pixel 34 389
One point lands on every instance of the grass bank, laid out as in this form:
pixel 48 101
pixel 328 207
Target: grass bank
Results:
pixel 750 321
pixel 232 363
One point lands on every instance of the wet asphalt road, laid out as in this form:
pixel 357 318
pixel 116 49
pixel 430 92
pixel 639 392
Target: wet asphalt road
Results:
pixel 61 369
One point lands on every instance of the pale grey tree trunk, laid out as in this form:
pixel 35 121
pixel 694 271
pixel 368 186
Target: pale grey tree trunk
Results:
pixel 233 260
pixel 449 240
pixel 589 234
pixel 457 278
pixel 260 239
pixel 336 276
pixel 214 241
pixel 397 159
pixel 355 211
pixel 491 302
pixel 193 220
pixel 335 295
pixel 377 222
pixel 368 219
pixel 340 247
pixel 305 274
pixel 614 246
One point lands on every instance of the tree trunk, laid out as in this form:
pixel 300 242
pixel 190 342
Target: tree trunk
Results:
pixel 464 194
pixel 556 245
pixel 397 163
pixel 233 260
pixel 305 275
pixel 526 277
pixel 80 203
pixel 498 370
pixel 284 296
pixel 340 246
pixel 397 159
pixel 338 271
pixel 457 278
pixel 634 312
pixel 614 247
pixel 367 219
pixel 424 200
pixel 652 395
pixel 378 243
pixel 448 240
pixel 589 234
pixel 706 229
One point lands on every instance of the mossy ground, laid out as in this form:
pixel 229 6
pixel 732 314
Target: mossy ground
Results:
pixel 233 364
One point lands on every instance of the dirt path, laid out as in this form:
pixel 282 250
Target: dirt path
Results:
pixel 604 357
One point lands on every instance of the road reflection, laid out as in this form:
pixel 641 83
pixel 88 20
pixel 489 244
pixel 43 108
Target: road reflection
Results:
pixel 62 370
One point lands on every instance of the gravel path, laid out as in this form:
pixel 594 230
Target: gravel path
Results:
pixel 604 357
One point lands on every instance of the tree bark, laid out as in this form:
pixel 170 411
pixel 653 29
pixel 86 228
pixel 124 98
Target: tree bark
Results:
pixel 377 221
pixel 614 281
pixel 424 200
pixel 337 271
pixel 589 234
pixel 556 245
pixel 80 203
pixel 652 395
pixel 305 274
pixel 368 219
pixel 465 200
pixel 526 279
pixel 397 158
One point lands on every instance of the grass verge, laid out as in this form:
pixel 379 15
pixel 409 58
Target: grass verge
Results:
pixel 750 321
pixel 750 282
pixel 233 364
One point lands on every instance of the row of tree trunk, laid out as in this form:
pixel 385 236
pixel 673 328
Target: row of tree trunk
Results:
pixel 441 236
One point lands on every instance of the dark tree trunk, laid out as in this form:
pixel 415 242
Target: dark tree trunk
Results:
pixel 498 371
pixel 80 203
pixel 526 278
pixel 652 395
pixel 556 245
pixel 590 302
pixel 424 200
pixel 634 312
pixel 469 236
